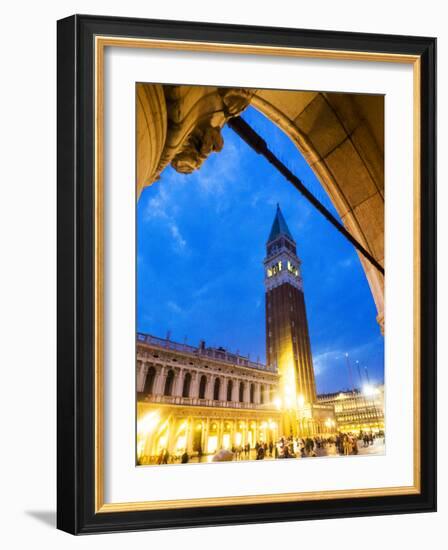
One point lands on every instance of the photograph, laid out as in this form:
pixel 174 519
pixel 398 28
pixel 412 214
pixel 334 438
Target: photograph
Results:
pixel 259 275
pixel 246 274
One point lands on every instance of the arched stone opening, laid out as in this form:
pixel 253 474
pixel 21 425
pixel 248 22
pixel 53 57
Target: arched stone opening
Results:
pixel 149 381
pixel 216 389
pixel 186 385
pixel 202 386
pixel 241 392
pixel 341 136
pixel 169 382
pixel 229 390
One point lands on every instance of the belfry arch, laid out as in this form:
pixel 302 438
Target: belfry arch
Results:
pixel 341 136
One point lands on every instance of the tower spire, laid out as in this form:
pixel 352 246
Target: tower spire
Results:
pixel 279 227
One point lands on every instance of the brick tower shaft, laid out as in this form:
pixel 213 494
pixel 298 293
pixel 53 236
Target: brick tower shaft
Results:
pixel 287 337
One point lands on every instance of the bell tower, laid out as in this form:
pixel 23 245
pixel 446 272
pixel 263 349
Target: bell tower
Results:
pixel 287 338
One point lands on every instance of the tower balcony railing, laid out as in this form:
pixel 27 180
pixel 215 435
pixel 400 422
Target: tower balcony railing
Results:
pixel 212 353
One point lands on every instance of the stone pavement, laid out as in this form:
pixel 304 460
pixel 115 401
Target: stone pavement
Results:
pixel 378 448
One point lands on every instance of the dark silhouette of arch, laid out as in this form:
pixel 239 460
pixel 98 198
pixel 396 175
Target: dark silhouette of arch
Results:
pixel 202 386
pixel 252 393
pixel 216 389
pixel 169 382
pixel 229 390
pixel 149 381
pixel 186 386
pixel 241 395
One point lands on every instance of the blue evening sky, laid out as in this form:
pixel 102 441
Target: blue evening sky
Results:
pixel 200 249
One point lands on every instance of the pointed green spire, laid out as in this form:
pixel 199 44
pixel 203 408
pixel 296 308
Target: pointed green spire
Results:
pixel 279 227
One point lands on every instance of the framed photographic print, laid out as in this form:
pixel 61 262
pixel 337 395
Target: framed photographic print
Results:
pixel 246 274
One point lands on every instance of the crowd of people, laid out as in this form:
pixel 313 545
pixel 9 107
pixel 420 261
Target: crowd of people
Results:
pixel 285 447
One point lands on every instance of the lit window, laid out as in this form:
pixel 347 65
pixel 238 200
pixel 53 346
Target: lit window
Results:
pixel 274 269
pixel 293 269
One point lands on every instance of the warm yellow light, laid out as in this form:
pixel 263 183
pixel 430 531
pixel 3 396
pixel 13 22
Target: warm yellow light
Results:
pixel 277 402
pixel 140 448
pixel 182 427
pixel 300 401
pixel 369 390
pixel 181 442
pixel 148 423
pixel 238 438
pixel 212 443
pixel 226 441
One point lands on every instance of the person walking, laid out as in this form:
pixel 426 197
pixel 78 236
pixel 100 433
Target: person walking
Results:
pixel 184 458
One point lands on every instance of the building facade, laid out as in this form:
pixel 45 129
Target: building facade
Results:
pixel 201 399
pixel 358 410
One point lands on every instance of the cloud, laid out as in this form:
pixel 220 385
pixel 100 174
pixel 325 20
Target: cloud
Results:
pixel 347 262
pixel 322 361
pixel 163 207
pixel 174 307
pixel 218 172
pixel 163 204
pixel 180 242
pixel 332 358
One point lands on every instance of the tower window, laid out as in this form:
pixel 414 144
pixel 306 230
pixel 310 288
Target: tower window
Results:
pixel 276 268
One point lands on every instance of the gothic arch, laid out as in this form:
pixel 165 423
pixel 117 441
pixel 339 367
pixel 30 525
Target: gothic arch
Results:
pixel 340 135
pixel 342 138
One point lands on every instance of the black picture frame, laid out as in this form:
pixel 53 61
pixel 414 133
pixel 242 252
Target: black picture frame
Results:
pixel 76 254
